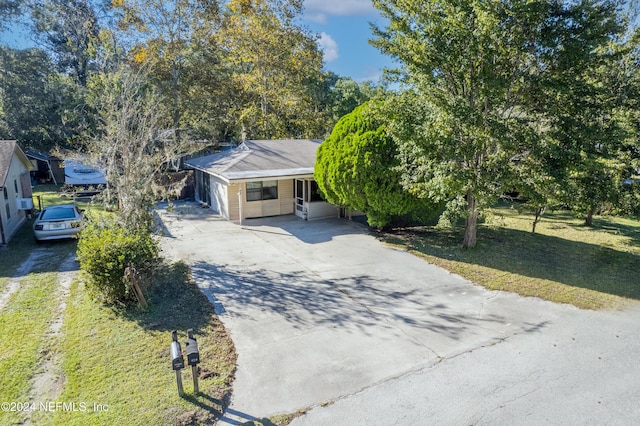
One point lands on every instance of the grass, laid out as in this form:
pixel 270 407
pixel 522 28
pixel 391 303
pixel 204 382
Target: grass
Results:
pixel 23 324
pixel 49 195
pixel 115 358
pixel 564 262
pixel 120 358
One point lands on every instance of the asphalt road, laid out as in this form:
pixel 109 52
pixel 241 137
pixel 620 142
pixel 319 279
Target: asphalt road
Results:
pixel 326 318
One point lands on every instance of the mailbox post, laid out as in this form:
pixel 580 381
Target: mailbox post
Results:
pixel 193 357
pixel 177 361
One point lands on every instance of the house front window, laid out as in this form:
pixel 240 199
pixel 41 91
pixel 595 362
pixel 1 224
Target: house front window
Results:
pixel 263 190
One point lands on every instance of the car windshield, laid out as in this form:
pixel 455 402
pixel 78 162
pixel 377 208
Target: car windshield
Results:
pixel 58 214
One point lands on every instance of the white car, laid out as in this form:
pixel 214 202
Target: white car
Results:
pixel 58 222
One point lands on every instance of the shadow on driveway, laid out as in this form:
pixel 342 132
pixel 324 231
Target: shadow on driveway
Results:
pixel 356 303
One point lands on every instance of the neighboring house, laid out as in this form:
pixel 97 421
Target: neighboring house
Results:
pixel 15 189
pixel 262 178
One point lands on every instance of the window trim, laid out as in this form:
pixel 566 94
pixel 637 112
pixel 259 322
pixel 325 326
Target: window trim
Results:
pixel 261 192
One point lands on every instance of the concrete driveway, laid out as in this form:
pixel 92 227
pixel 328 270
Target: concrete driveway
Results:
pixel 325 316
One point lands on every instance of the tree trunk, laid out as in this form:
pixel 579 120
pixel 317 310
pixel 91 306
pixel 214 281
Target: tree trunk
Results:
pixel 588 221
pixel 471 223
pixel 538 218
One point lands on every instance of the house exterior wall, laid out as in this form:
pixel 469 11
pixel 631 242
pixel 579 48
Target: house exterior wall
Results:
pixel 286 197
pixel 225 201
pixel 320 210
pixel 11 217
pixel 250 209
pixel 233 202
pixel 219 196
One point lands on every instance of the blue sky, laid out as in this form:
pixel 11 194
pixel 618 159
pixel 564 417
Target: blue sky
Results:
pixel 343 26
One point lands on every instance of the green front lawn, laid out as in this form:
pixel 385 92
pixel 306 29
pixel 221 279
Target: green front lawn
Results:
pixel 120 360
pixel 564 262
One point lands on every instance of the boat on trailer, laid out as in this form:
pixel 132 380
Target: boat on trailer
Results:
pixel 82 173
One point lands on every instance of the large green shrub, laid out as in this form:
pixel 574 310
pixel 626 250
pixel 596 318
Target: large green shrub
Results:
pixel 357 167
pixel 105 249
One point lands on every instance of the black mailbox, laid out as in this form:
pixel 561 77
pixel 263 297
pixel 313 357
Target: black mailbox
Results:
pixel 177 361
pixel 193 354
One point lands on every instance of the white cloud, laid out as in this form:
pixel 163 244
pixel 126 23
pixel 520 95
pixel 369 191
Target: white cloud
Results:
pixel 340 7
pixel 328 46
pixel 317 17
pixel 317 10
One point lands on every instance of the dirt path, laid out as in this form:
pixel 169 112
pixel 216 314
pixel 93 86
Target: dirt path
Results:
pixel 48 379
pixel 25 267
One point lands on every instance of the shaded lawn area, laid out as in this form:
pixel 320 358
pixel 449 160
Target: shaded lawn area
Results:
pixel 564 262
pixel 120 358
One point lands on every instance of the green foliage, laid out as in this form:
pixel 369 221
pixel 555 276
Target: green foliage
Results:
pixel 8 9
pixel 346 95
pixel 466 61
pixel 276 67
pixel 629 203
pixel 493 81
pixel 68 28
pixel 105 249
pixel 37 106
pixel 356 167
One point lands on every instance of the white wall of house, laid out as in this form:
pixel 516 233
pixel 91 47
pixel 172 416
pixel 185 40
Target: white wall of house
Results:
pixel 11 217
pixel 321 210
pixel 219 196
pixel 251 209
pixel 226 201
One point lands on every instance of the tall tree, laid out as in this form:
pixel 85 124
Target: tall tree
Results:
pixel 133 141
pixel 69 28
pixel 346 94
pixel 277 66
pixel 168 37
pixel 582 100
pixel 474 65
pixel 466 60
pixel 37 105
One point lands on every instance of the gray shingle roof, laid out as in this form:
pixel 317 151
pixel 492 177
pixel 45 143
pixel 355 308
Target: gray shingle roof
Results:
pixel 261 159
pixel 7 149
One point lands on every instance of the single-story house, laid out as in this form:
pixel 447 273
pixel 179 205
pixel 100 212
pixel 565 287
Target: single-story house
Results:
pixel 261 178
pixel 15 189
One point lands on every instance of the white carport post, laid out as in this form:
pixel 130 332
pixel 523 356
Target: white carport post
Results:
pixel 240 203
